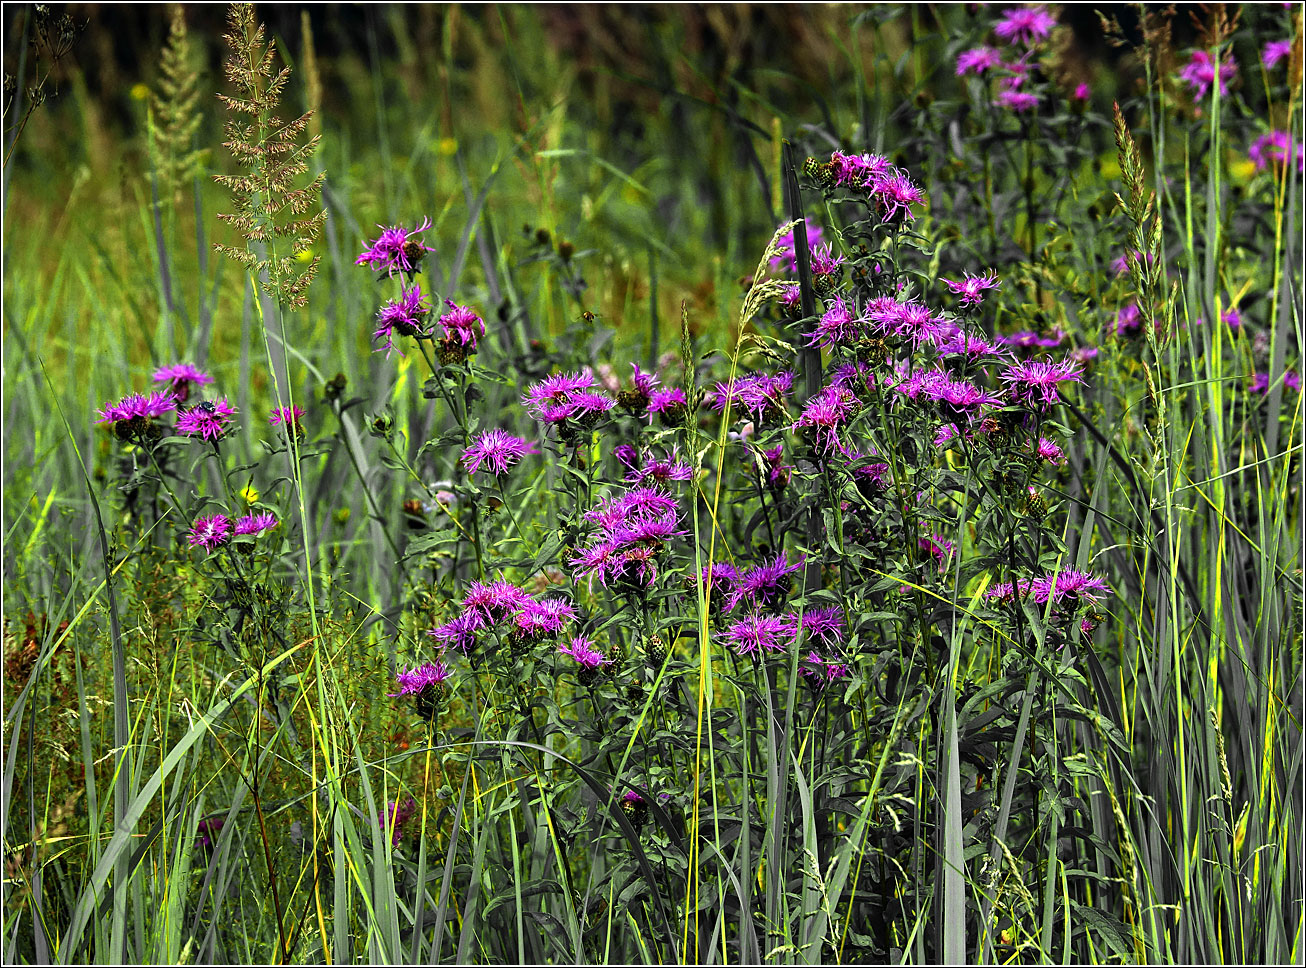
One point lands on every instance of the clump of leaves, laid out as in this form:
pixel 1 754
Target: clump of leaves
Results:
pixel 273 154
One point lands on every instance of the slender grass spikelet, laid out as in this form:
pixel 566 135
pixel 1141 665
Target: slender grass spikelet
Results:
pixel 175 116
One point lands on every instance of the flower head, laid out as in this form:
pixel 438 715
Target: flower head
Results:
pixel 896 194
pixel 1200 73
pixel 767 585
pixel 1275 146
pixel 825 625
pixel 208 420
pixel 977 60
pixel 760 395
pixel 395 816
pixel 971 288
pixel 759 634
pixel 1025 25
pixel 1018 101
pixel 405 316
pixel 1129 320
pixel 210 532
pixel 824 416
pixel 836 326
pixel 135 410
pixel 1070 585
pixel 820 673
pixel 460 632
pixel 256 523
pixel 1035 382
pixel 582 651
pixel 425 684
pixel 857 171
pixel 497 449
pixel 1275 51
pixel 461 325
pixel 543 618
pixel 180 377
pixel 824 261
pixel 396 250
pixel 785 259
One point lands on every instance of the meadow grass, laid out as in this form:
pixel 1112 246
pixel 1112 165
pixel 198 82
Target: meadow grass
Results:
pixel 214 757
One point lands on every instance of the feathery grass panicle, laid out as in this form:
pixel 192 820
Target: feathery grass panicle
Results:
pixel 176 118
pixel 273 154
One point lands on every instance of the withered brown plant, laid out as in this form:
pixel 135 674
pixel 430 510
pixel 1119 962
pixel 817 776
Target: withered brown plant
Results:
pixel 273 154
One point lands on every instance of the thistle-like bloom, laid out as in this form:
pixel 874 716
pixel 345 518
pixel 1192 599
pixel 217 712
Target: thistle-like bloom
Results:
pixel 256 523
pixel 660 470
pixel 1007 592
pixel 138 407
pixel 837 326
pixel 426 685
pixel 498 450
pixel 582 651
pixel 910 321
pixel 857 171
pixel 548 617
pixel 760 395
pixel 405 316
pixel 896 194
pixel 820 672
pixel 1275 51
pixel 968 346
pixel 208 420
pixel 668 402
pixel 825 625
pixel 977 60
pixel 394 817
pixel 785 259
pixel 210 532
pixel 180 377
pixel 1260 384
pixel 939 548
pixel 766 586
pixel 460 632
pixel 1035 382
pixel 957 399
pixel 396 250
pixel 1129 321
pixel 1029 340
pixel 495 601
pixel 1018 101
pixel 759 634
pixel 1069 585
pixel 1121 265
pixel 776 472
pixel 1025 25
pixel 1050 451
pixel 1200 73
pixel 824 416
pixel 791 296
pixel 824 261
pixel 286 415
pixel 1275 146
pixel 971 288
pixel 1082 92
pixel 461 325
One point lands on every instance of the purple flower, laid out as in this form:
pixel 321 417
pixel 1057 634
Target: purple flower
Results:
pixel 208 533
pixel 977 60
pixel 460 632
pixel 971 288
pixel 791 296
pixel 1261 382
pixel 1199 72
pixel 1028 340
pixel 968 346
pixel 660 470
pixel 857 171
pixel 1018 101
pixel 286 415
pixel 824 415
pixel 1082 92
pixel 825 625
pixel 957 399
pixel 1275 51
pixel 256 523
pixel 785 259
pixel 496 448
pixel 912 321
pixel 539 619
pixel 207 832
pixel 777 472
pixel 1072 585
pixel 1025 25
pixel 761 395
pixel 1035 382
pixel 767 585
pixel 721 575
pixel 138 408
pixel 208 420
pixel 495 601
pixel 1049 451
pixel 1121 265
pixel 394 817
pixel 1275 146
pixel 425 684
pixel 824 261
pixel 180 377
pixel 583 652
pixel 405 316
pixel 1006 592
pixel 1129 321
pixel 461 325
pixel 555 389
pixel 836 326
pixel 759 634
pixel 939 548
pixel 669 402
pixel 396 249
pixel 896 194
pixel 820 672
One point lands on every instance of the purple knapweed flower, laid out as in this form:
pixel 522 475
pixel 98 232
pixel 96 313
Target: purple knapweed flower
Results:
pixel 1029 340
pixel 1035 382
pixel 396 250
pixel 1050 451
pixel 210 532
pixel 1129 321
pixel 825 625
pixel 256 523
pixel 137 408
pixel 555 389
pixel 1018 101
pixel 667 402
pixel 1071 585
pixel 461 325
pixel 460 632
pixel 756 635
pixel 785 259
pixel 1275 51
pixel 765 586
pixel 659 470
pixel 208 420
pixel 393 818
pixel 1006 592
pixel 910 321
pixel 497 449
pixel 286 415
pixel 971 288
pixel 820 673
pixel 1025 25
pixel 1121 265
pixel 761 395
pixel 1082 92
pixel 837 326
pixel 791 297
pixel 405 316
pixel 721 576
pixel 895 194
pixel 207 831
pixel 776 472
pixel 969 346
pixel 857 171
pixel 543 618
pixel 495 601
pixel 824 261
pixel 939 548
pixel 1275 146
pixel 1260 384
pixel 824 415
pixel 977 60
pixel 180 377
pixel 426 686
pixel 582 651
pixel 1200 74
pixel 957 399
